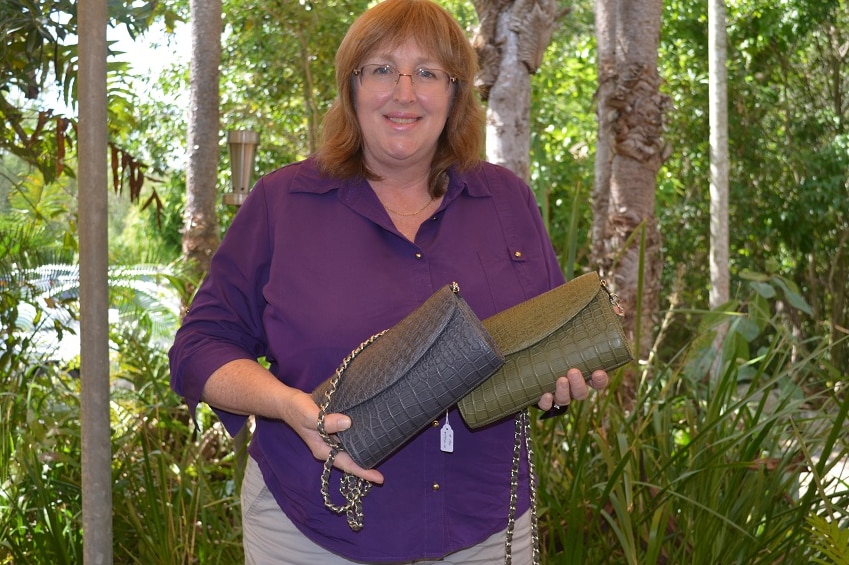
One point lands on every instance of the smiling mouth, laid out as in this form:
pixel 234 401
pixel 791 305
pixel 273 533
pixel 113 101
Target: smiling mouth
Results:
pixel 402 120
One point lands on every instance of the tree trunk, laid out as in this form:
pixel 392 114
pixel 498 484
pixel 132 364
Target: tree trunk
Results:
pixel 718 102
pixel 838 274
pixel 510 41
pixel 200 229
pixel 626 242
pixel 605 25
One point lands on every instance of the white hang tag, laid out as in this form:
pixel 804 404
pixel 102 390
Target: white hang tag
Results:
pixel 446 436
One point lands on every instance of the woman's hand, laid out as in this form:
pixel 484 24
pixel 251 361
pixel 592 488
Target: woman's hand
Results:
pixel 569 388
pixel 243 386
pixel 301 413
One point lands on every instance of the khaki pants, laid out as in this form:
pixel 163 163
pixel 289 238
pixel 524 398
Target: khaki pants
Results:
pixel 270 538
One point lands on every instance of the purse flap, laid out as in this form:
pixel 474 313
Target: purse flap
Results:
pixel 390 356
pixel 526 323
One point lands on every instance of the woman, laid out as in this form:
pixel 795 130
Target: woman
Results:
pixel 329 251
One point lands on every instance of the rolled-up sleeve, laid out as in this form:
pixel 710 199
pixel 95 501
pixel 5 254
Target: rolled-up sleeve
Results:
pixel 224 320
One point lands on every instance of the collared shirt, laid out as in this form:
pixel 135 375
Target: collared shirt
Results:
pixel 310 268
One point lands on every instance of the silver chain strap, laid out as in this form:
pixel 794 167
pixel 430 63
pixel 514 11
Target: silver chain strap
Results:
pixel 522 428
pixel 614 300
pixel 352 488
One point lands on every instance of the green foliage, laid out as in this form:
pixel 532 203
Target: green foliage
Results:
pixel 282 97
pixel 176 504
pixel 787 120
pixel 40 499
pixel 30 52
pixel 174 485
pixel 38 69
pixel 38 216
pixel 37 48
pixel 40 493
pixel 830 540
pixel 704 471
pixel 563 136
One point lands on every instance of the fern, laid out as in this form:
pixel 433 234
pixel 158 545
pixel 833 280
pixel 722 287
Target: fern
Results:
pixel 829 540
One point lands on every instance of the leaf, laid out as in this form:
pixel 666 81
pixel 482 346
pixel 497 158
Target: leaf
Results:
pixel 746 328
pixel 830 540
pixel 749 275
pixel 763 289
pixel 792 294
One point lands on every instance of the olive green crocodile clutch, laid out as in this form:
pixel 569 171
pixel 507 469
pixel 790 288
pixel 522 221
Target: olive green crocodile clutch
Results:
pixel 577 324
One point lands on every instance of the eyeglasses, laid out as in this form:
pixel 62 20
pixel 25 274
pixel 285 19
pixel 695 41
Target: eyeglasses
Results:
pixel 383 78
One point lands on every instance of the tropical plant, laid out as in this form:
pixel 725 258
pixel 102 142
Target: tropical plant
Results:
pixel 787 130
pixel 39 425
pixel 175 487
pixel 175 481
pixel 740 468
pixel 38 46
pixel 40 443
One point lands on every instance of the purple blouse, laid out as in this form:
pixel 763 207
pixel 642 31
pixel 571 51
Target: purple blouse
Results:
pixel 313 266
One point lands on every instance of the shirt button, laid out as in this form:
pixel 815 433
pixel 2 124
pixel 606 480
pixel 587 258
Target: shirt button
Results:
pixel 517 254
pixel 435 486
pixel 435 423
pixel 418 255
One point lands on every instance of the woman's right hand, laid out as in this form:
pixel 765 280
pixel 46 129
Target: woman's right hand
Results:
pixel 301 413
pixel 243 386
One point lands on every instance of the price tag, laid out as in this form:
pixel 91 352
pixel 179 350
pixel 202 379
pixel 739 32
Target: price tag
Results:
pixel 446 443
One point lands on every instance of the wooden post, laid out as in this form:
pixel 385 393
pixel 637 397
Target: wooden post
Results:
pixel 94 286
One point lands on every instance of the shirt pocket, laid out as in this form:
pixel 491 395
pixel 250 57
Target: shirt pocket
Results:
pixel 514 275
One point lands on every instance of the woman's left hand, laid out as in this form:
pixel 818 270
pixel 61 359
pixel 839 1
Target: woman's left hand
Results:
pixel 571 387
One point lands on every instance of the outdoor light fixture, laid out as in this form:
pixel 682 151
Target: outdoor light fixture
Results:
pixel 242 146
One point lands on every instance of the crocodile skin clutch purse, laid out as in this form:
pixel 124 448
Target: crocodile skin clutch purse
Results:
pixel 397 382
pixel 577 324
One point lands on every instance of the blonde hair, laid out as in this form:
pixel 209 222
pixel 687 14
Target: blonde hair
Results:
pixel 390 24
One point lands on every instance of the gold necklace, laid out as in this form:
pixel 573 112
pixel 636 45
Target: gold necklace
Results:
pixel 416 213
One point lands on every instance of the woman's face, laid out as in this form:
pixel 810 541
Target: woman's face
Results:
pixel 401 124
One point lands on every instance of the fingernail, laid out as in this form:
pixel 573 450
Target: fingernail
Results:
pixel 344 423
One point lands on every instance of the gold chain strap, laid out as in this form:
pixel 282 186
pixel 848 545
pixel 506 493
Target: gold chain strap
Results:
pixel 523 428
pixel 352 488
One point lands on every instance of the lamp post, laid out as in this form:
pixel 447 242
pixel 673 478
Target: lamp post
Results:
pixel 242 147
